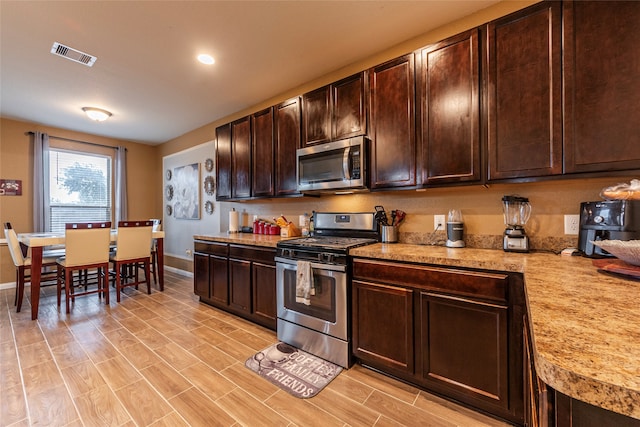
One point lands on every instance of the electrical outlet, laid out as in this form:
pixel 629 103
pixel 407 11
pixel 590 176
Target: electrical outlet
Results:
pixel 439 222
pixel 571 224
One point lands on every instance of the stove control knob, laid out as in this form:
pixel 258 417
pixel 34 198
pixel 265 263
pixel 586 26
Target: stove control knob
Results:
pixel 598 219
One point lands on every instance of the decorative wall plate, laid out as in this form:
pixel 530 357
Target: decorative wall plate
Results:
pixel 168 192
pixel 209 185
pixel 208 165
pixel 169 210
pixel 208 207
pixel 168 174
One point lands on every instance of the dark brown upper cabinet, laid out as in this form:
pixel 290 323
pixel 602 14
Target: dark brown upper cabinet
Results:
pixel 241 158
pixel 449 109
pixel 263 148
pixel 524 98
pixel 316 116
pixel 602 85
pixel 223 162
pixel 349 102
pixel 392 123
pixel 335 111
pixel 287 141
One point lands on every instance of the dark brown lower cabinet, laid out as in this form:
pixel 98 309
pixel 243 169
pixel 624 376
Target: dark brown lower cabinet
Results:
pixel 463 347
pixel 383 325
pixel 264 293
pixel 538 405
pixel 237 278
pixel 210 272
pixel 454 332
pixel 240 284
pixel 571 412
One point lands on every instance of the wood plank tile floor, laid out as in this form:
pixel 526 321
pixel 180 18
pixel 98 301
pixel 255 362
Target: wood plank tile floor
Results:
pixel 166 359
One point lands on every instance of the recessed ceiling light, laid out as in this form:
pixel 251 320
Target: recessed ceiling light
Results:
pixel 97 114
pixel 206 59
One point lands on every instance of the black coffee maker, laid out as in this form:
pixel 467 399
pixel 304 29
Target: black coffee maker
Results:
pixel 607 220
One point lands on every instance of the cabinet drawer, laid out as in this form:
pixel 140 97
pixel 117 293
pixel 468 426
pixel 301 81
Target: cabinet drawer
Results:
pixel 492 286
pixel 211 248
pixel 253 253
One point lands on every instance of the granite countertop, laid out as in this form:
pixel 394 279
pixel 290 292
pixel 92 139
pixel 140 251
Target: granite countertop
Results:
pixel 585 324
pixel 264 240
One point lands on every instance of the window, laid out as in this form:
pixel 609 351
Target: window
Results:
pixel 79 187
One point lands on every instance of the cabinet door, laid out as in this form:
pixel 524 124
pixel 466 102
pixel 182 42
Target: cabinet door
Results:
pixel 383 325
pixel 524 112
pixel 201 275
pixel 570 412
pixel 287 121
pixel 602 71
pixel 240 285
pixel 241 158
pixel 537 404
pixel 264 293
pixel 218 273
pixel 463 345
pixel 450 110
pixel 223 162
pixel 316 116
pixel 349 106
pixel 262 181
pixel 392 110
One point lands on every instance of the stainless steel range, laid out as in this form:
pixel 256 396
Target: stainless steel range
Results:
pixel 312 282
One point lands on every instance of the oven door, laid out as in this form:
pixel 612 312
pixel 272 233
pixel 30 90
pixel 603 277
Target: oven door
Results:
pixel 327 309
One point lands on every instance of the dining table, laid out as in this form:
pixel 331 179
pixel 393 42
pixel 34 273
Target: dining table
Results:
pixel 38 241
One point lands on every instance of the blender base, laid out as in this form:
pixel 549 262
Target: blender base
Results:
pixel 516 244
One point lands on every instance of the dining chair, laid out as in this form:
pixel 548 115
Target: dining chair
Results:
pixel 133 248
pixel 22 262
pixel 86 248
pixel 157 226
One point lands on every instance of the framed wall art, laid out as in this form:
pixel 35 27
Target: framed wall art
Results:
pixel 10 187
pixel 186 194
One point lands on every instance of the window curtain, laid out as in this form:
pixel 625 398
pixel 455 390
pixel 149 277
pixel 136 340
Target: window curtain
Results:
pixel 41 219
pixel 121 185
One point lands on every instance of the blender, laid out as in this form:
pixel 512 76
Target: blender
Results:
pixel 516 214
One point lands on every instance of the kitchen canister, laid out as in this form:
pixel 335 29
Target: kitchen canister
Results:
pixel 389 233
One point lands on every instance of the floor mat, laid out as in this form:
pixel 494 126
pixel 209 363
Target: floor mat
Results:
pixel 297 372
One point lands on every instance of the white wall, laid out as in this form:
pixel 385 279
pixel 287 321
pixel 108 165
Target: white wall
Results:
pixel 179 232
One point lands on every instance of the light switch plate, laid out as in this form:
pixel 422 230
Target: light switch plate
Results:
pixel 571 224
pixel 439 220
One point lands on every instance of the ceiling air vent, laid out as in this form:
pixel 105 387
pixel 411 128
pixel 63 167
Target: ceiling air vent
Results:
pixel 72 54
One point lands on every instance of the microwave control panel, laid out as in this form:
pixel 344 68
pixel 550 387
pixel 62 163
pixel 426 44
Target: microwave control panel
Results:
pixel 355 163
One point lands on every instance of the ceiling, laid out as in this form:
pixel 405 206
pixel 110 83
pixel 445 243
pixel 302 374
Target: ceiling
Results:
pixel 146 73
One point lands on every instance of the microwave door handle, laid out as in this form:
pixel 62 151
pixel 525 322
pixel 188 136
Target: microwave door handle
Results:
pixel 345 163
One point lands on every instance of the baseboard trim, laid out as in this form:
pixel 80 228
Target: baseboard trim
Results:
pixel 179 271
pixel 9 285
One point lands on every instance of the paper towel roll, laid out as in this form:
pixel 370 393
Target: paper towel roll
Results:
pixel 234 221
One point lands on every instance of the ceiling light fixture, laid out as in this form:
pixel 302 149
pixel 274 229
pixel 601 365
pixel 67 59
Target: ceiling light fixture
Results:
pixel 97 114
pixel 206 59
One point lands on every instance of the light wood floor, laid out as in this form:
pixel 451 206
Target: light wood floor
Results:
pixel 167 360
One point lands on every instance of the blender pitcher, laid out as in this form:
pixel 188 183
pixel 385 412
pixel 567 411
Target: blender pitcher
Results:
pixel 517 211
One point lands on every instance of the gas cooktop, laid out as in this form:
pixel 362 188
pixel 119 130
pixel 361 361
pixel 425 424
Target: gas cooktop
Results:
pixel 326 242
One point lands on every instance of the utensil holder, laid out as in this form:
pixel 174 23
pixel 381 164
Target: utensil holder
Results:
pixel 389 233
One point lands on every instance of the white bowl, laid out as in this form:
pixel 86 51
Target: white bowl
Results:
pixel 626 250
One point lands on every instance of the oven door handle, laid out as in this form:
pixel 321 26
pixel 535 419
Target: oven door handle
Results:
pixel 291 264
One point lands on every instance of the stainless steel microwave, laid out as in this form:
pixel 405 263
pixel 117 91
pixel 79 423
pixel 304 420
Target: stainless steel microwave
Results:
pixel 333 167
